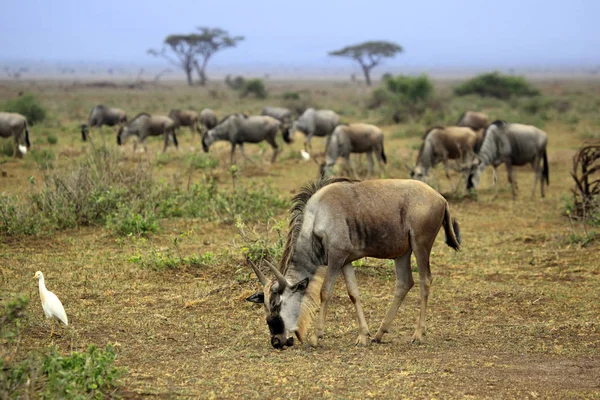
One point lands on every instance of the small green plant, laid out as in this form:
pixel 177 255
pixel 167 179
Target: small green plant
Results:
pixel 28 106
pixel 583 239
pixel 6 148
pixel 127 222
pixel 44 158
pixel 52 139
pixel 496 85
pixel 255 87
pixel 202 161
pixel 82 375
pixel 291 96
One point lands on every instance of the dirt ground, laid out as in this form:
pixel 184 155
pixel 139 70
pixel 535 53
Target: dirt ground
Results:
pixel 514 314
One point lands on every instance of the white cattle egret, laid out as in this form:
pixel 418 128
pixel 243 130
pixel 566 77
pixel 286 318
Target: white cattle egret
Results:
pixel 305 155
pixel 22 149
pixel 52 306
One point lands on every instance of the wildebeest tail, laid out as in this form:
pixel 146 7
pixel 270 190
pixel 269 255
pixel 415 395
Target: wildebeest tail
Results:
pixel 546 170
pixel 84 132
pixel 27 142
pixel 286 135
pixel 452 230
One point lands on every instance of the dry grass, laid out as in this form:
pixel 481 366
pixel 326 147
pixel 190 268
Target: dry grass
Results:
pixel 515 314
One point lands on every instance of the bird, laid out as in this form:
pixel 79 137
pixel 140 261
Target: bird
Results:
pixel 52 306
pixel 305 155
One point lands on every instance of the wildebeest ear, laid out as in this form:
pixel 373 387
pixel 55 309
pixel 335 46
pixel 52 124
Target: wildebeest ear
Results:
pixel 258 297
pixel 300 286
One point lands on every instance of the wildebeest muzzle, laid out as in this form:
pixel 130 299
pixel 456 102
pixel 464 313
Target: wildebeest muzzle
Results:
pixel 277 329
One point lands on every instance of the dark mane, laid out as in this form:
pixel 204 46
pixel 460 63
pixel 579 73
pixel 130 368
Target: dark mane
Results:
pixel 225 118
pixel 499 123
pixel 139 115
pixel 297 216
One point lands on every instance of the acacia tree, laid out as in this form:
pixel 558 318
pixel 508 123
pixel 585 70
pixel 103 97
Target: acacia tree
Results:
pixel 207 43
pixel 369 54
pixel 184 51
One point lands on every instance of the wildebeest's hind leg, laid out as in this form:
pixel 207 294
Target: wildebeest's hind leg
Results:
pixel 354 294
pixel 422 252
pixel 511 179
pixel 273 143
pixel 333 270
pixel 404 282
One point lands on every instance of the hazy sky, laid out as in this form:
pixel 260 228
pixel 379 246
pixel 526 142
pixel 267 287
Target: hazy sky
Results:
pixel 434 33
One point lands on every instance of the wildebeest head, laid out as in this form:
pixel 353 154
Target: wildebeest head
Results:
pixel 474 174
pixel 207 140
pixel 283 303
pixel 122 134
pixel 419 173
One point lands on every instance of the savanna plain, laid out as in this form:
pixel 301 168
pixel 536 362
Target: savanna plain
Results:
pixel 149 253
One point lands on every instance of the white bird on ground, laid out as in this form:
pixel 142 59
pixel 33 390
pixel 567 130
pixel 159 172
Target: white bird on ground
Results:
pixel 305 155
pixel 52 306
pixel 22 149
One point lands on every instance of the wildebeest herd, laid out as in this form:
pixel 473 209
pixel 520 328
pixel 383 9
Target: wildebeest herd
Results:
pixel 330 227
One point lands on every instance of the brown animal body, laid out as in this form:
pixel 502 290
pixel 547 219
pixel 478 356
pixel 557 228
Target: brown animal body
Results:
pixel 441 144
pixel 102 115
pixel 144 125
pixel 185 118
pixel 15 125
pixel 208 118
pixel 335 222
pixel 477 121
pixel 354 138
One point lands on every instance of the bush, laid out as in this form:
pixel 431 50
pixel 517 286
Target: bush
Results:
pixel 255 87
pixel 496 85
pixel 291 96
pixel 28 106
pixel 410 89
pixel 235 84
pixel 52 139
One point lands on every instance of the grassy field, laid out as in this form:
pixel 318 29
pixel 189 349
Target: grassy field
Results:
pixel 514 314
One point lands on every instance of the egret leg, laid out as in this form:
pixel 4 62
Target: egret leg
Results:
pixel 51 327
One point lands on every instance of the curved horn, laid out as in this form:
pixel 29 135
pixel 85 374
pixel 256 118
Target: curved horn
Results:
pixel 259 274
pixel 283 283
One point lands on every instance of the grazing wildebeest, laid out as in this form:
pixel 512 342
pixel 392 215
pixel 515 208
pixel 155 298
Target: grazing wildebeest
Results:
pixel 144 125
pixel 208 119
pixel 335 222
pixel 281 113
pixel 102 115
pixel 185 118
pixel 441 144
pixel 314 123
pixel 354 138
pixel 239 129
pixel 13 124
pixel 473 119
pixel 512 144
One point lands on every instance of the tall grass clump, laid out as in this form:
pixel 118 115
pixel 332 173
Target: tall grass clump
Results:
pixel 496 85
pixel 28 106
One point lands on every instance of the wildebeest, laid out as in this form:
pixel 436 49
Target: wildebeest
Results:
pixel 208 119
pixel 512 144
pixel 314 123
pixel 102 115
pixel 185 118
pixel 337 221
pixel 441 144
pixel 473 119
pixel 239 129
pixel 354 138
pixel 15 125
pixel 281 113
pixel 144 125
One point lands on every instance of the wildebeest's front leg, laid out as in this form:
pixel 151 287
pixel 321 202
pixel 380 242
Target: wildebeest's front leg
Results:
pixel 354 294
pixel 273 143
pixel 233 144
pixel 537 175
pixel 371 163
pixel 333 270
pixel 511 179
pixel 244 152
pixel 404 282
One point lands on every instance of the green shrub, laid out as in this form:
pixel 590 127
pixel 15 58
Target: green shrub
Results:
pixel 235 84
pixel 202 161
pixel 43 158
pixel 496 85
pixel 52 139
pixel 81 375
pixel 127 222
pixel 410 89
pixel 28 106
pixel 255 87
pixel 291 96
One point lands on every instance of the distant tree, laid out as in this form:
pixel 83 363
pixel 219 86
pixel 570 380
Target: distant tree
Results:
pixel 184 49
pixel 189 52
pixel 207 43
pixel 369 54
